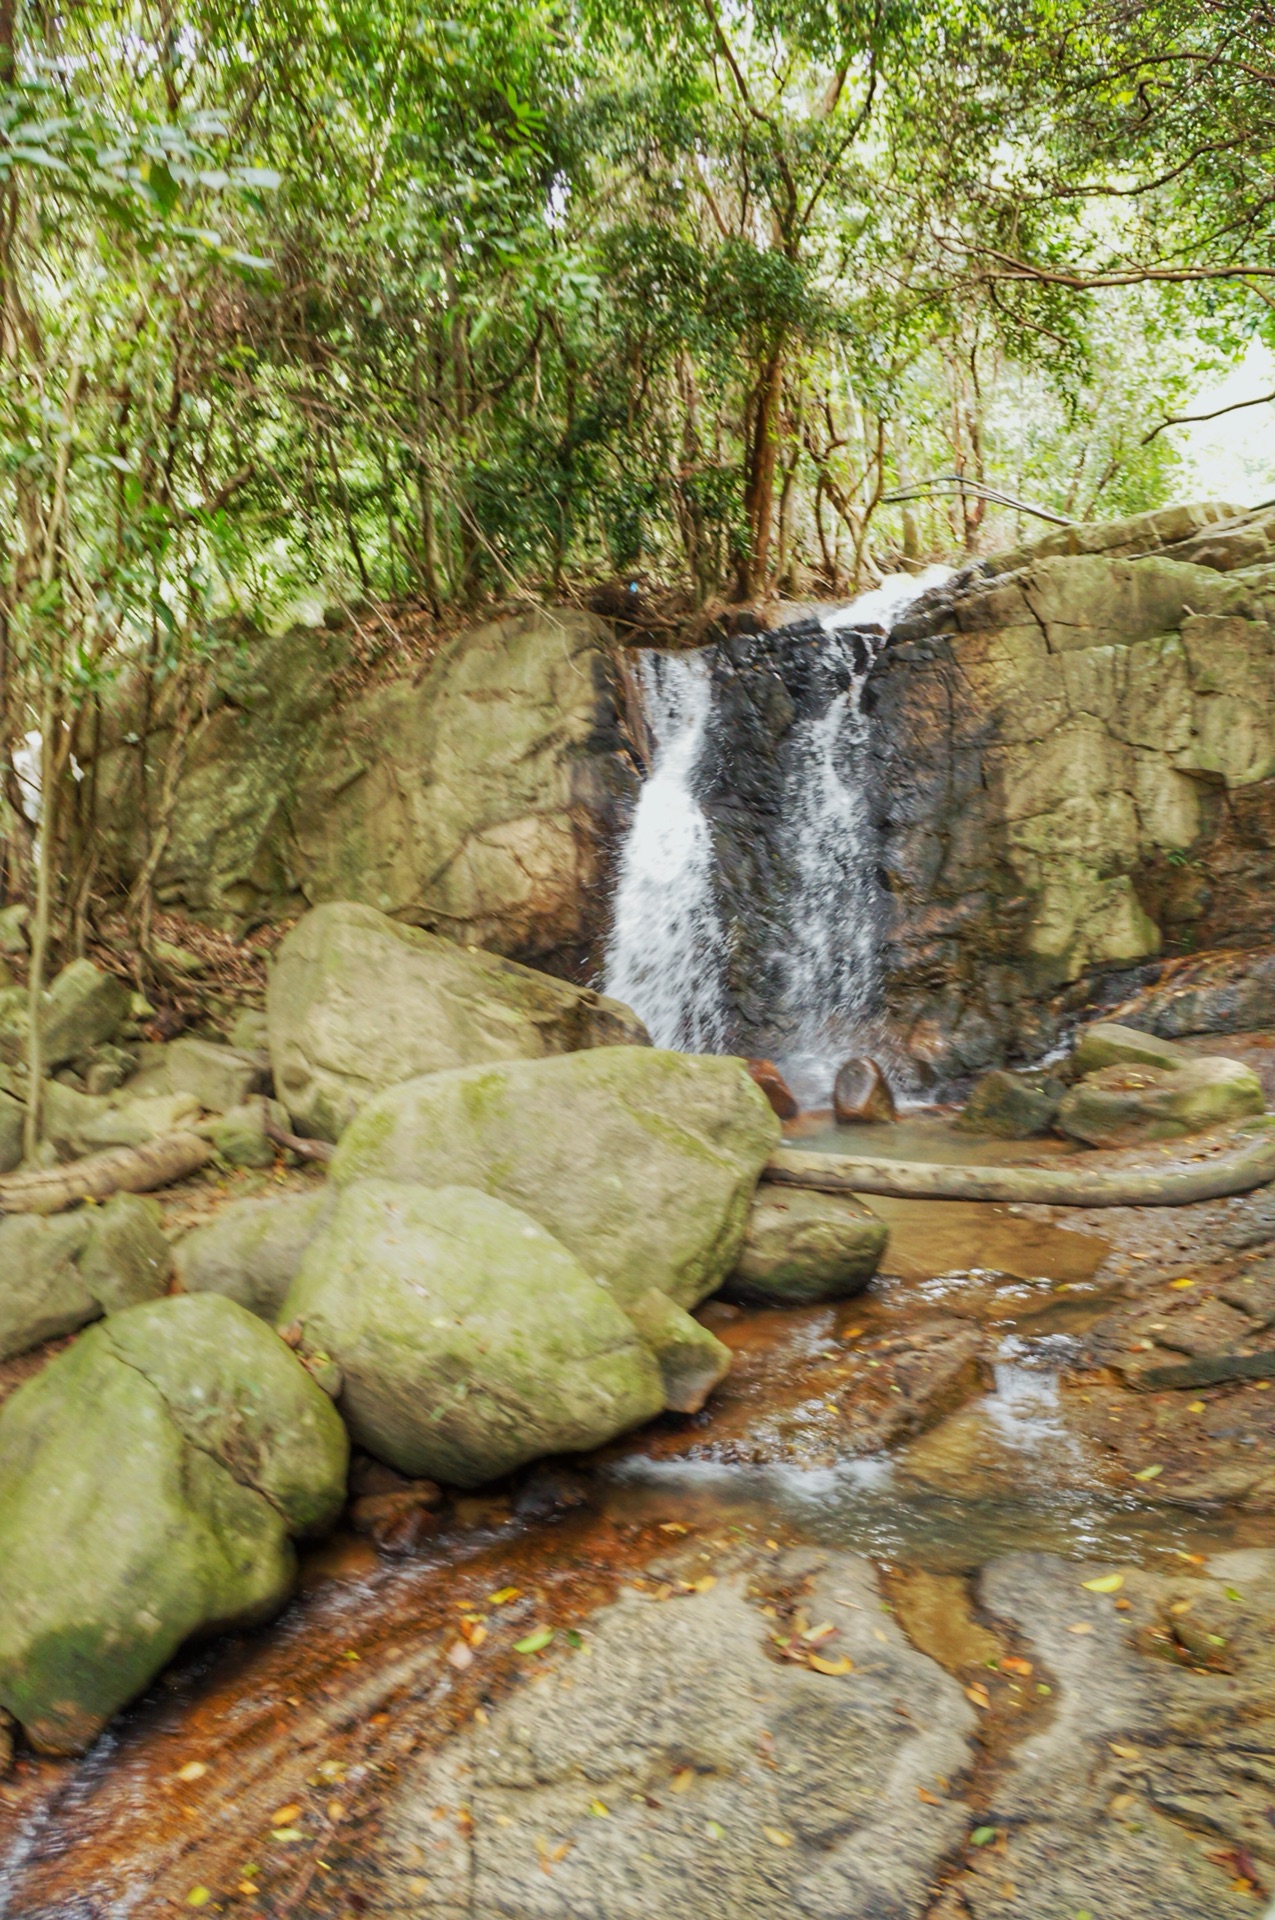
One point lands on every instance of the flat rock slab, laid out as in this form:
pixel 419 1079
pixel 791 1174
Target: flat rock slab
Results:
pixel 673 1769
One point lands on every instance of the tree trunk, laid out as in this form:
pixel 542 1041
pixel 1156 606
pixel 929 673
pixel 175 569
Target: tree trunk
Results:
pixel 759 478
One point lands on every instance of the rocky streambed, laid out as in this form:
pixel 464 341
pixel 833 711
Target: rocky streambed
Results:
pixel 937 1608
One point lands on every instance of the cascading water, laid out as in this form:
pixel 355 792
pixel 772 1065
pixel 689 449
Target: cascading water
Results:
pixel 748 909
pixel 665 954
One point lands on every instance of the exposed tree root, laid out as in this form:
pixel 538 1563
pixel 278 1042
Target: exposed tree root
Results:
pixel 1238 1170
pixel 123 1170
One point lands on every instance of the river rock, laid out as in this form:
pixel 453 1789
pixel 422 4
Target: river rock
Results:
pixel 469 1340
pixel 56 1274
pixel 1012 1106
pixel 775 1087
pixel 12 1119
pixel 802 1247
pixel 1228 992
pixel 151 1480
pixel 1108 1044
pixel 85 1007
pixel 251 1250
pixel 79 1123
pixel 692 1361
pixel 641 1161
pixel 219 1077
pixel 1126 1105
pixel 735 1786
pixel 241 1136
pixel 861 1094
pixel 358 1003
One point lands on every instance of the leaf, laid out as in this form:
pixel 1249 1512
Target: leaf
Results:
pixel 502 1595
pixel 1180 1286
pixel 714 1830
pixel 1012 1664
pixel 930 1799
pixel 285 1816
pixel 599 1810
pixel 839 1664
pixel 777 1837
pixel 258 177
pixel 193 1770
pixel 705 1583
pixel 982 1836
pixel 1231 1593
pixel 1105 1583
pixel 1149 1473
pixel 286 1835
pixel 1080 1626
pixel 682 1779
pixel 535 1642
pixel 198 1897
pixel 1123 1752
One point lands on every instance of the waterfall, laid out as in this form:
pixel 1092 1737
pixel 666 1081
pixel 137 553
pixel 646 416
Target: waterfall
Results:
pixel 748 911
pixel 665 954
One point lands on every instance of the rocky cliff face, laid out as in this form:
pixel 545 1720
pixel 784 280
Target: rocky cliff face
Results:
pixel 1075 774
pixel 478 798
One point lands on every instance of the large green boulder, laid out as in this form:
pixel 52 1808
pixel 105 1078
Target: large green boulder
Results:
pixel 1123 1106
pixel 468 1340
pixel 152 1478
pixel 358 1002
pixel 642 1162
pixel 805 1247
pixel 56 1274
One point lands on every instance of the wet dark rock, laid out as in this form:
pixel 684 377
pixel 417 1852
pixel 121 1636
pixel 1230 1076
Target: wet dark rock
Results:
pixel 399 1522
pixel 1013 1106
pixel 551 1492
pixel 861 1094
pixel 1228 992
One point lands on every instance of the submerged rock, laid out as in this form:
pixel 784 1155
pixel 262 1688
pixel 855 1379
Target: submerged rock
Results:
pixel 358 1003
pixel 802 1247
pixel 861 1094
pixel 57 1274
pixel 151 1480
pixel 1012 1106
pixel 642 1162
pixel 469 1340
pixel 1123 1106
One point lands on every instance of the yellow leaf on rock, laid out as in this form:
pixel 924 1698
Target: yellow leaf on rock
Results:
pixel 684 1778
pixel 598 1807
pixel 284 1816
pixel 1080 1626
pixel 1106 1583
pixel 840 1664
pixel 1149 1473
pixel 1180 1286
pixel 777 1837
pixel 705 1583
pixel 1124 1753
pixel 503 1594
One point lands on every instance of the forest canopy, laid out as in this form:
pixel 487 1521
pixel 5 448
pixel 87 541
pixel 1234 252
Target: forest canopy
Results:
pixel 376 304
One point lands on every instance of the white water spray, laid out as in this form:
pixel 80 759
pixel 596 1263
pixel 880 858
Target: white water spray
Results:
pixel 665 954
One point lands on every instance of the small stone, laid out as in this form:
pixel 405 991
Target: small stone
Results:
pixel 861 1094
pixel 401 1521
pixel 775 1088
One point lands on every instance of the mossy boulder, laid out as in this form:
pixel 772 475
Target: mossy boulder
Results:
pixel 152 1479
pixel 692 1361
pixel 1108 1044
pixel 58 1273
pixel 12 1117
pixel 1123 1106
pixel 640 1161
pixel 78 1123
pixel 251 1250
pixel 358 1002
pixel 468 1339
pixel 803 1247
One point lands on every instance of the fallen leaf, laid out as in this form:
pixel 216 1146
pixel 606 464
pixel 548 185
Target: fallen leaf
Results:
pixel 598 1808
pixel 502 1595
pixel 982 1836
pixel 930 1799
pixel 714 1831
pixel 1080 1626
pixel 284 1816
pixel 286 1835
pixel 474 1631
pixel 535 1642
pixel 1230 1593
pixel 198 1897
pixel 1125 1753
pixel 777 1837
pixel 1180 1286
pixel 1182 1606
pixel 673 1526
pixel 840 1663
pixel 193 1770
pixel 682 1779
pixel 336 1810
pixel 979 1696
pixel 1107 1582
pixel 823 1631
pixel 1196 1406
pixel 1121 1801
pixel 1012 1664
pixel 705 1583
pixel 1149 1473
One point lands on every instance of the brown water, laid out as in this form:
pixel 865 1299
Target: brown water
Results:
pixel 319 1710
